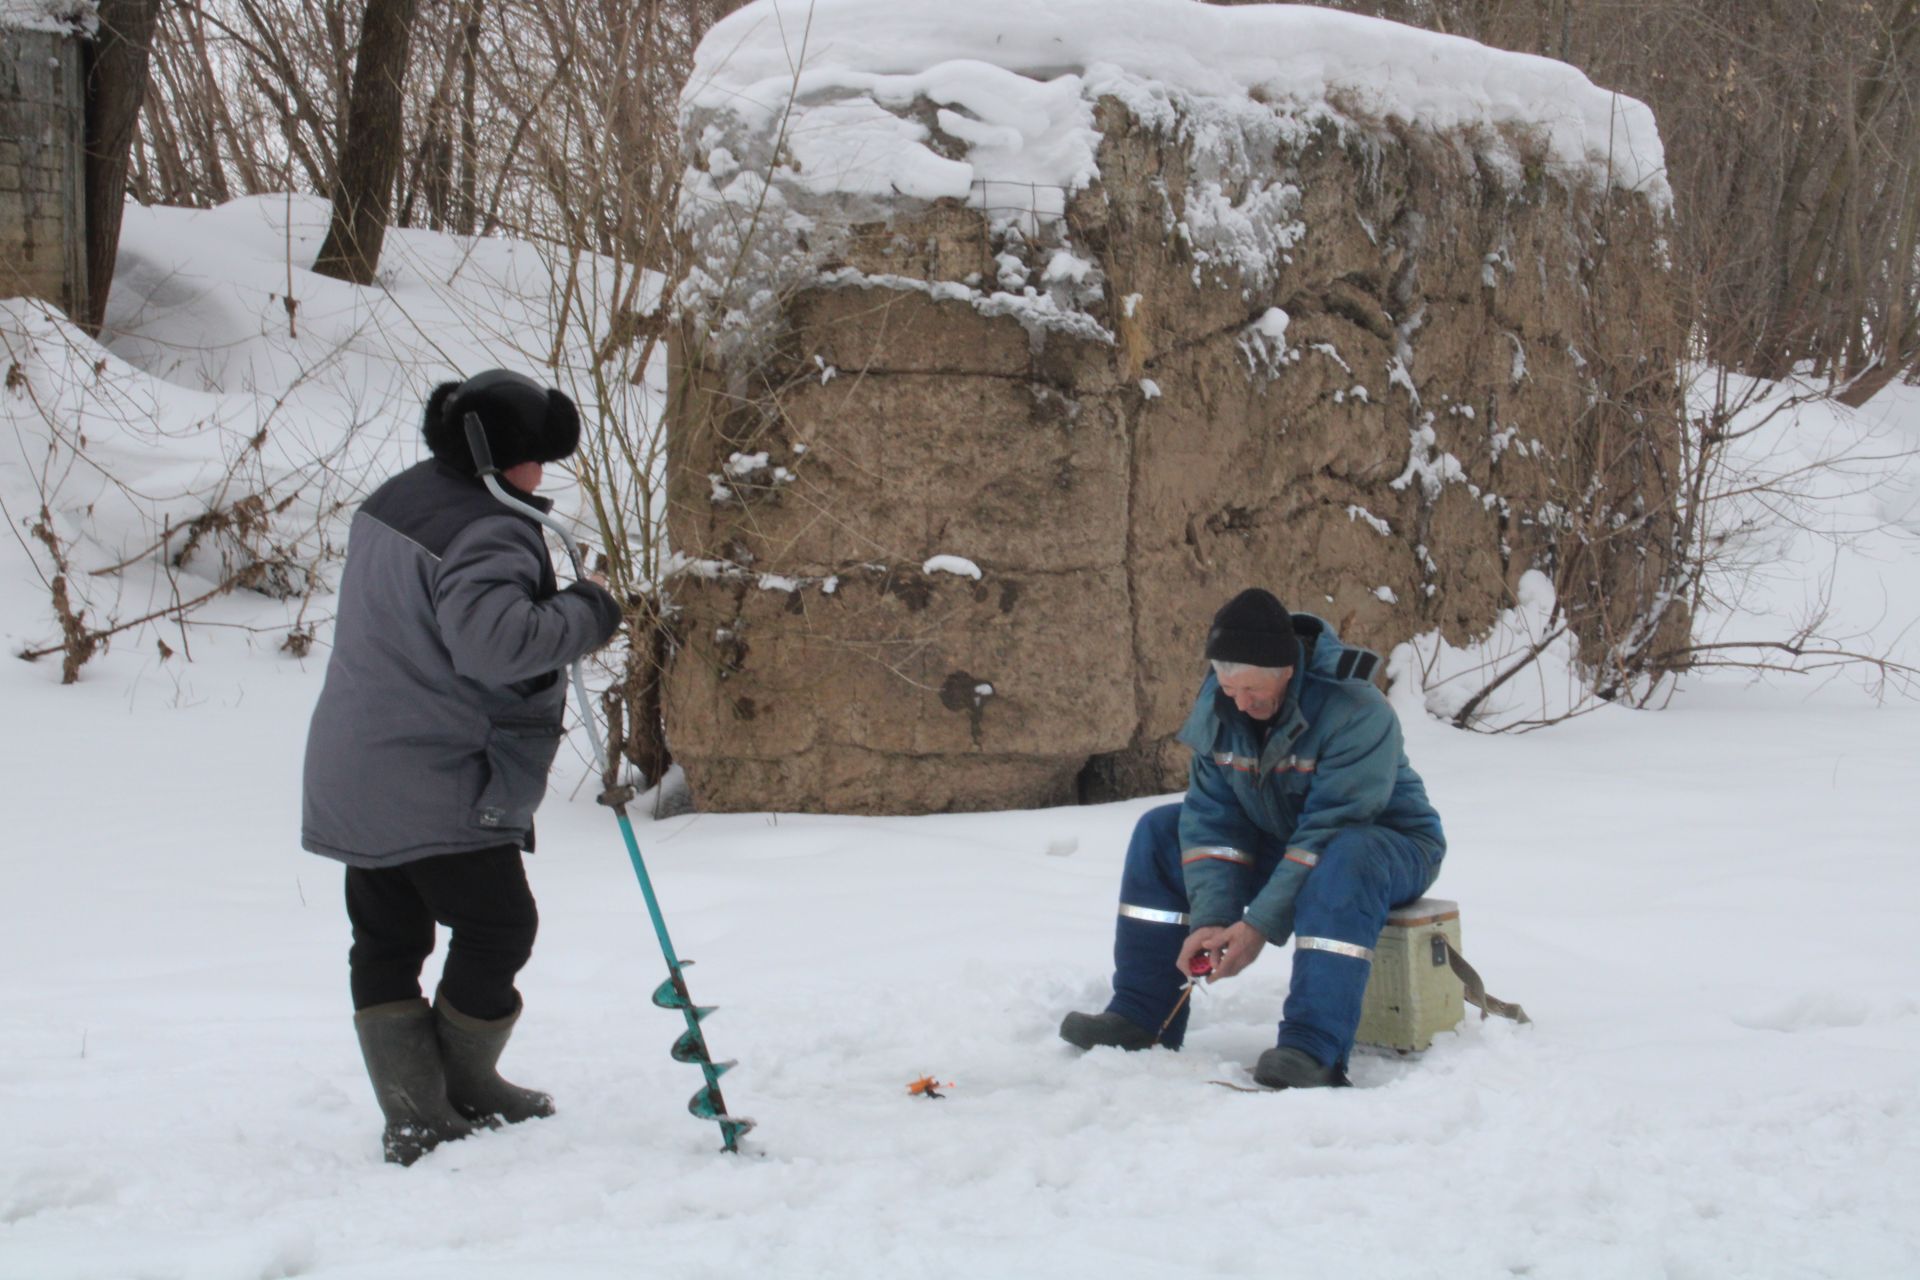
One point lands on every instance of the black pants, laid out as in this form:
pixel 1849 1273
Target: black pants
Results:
pixel 482 897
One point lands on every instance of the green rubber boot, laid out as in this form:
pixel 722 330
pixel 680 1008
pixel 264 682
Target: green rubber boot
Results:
pixel 403 1061
pixel 471 1047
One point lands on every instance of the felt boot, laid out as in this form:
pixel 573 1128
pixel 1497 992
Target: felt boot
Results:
pixel 1290 1068
pixel 1087 1030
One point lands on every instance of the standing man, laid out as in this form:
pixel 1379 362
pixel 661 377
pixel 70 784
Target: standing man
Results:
pixel 1302 816
pixel 429 751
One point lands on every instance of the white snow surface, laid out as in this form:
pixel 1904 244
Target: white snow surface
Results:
pixel 959 566
pixel 210 387
pixel 1705 909
pixel 804 119
pixel 1023 78
pixel 61 17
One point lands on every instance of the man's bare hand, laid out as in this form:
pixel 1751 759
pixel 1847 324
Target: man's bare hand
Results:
pixel 1240 945
pixel 1228 949
pixel 1203 941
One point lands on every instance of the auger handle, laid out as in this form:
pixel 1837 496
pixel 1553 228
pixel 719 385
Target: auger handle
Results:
pixel 490 476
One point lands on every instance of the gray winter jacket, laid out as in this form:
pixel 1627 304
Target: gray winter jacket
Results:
pixel 442 708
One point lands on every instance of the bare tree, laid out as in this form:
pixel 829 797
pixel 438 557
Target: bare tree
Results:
pixel 370 145
pixel 116 86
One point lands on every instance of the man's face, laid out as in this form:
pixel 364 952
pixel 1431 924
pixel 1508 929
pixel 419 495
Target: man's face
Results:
pixel 524 476
pixel 1257 692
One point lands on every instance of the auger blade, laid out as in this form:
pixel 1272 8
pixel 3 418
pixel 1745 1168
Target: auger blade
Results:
pixel 698 1012
pixel 669 994
pixel 707 1104
pixel 691 1047
pixel 732 1129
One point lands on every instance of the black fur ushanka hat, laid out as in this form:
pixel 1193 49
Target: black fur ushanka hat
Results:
pixel 524 421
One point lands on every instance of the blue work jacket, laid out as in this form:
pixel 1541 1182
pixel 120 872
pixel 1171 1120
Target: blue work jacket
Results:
pixel 1264 799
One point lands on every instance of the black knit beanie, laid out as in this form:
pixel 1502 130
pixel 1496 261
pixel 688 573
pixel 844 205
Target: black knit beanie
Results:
pixel 1254 628
pixel 524 421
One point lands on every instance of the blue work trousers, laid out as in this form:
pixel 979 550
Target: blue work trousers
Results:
pixel 1363 873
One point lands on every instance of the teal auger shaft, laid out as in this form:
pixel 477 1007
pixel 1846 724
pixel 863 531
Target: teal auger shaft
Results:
pixel 691 1047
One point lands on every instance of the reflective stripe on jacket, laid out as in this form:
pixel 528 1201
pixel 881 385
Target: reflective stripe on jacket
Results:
pixel 1332 758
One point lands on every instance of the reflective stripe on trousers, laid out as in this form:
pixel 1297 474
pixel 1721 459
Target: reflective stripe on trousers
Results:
pixel 1334 945
pixel 1361 875
pixel 1151 927
pixel 1152 915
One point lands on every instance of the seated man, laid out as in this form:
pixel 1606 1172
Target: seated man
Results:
pixel 1302 816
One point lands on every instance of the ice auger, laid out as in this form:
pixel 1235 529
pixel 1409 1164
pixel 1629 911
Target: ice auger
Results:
pixel 691 1047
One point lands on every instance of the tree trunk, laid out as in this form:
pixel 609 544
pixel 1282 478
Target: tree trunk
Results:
pixel 369 151
pixel 469 135
pixel 1900 337
pixel 1797 317
pixel 116 86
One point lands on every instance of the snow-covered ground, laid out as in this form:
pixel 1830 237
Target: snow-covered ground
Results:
pixel 1708 911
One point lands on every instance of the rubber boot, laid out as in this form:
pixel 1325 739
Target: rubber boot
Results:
pixel 403 1061
pixel 1290 1068
pixel 1105 1030
pixel 470 1047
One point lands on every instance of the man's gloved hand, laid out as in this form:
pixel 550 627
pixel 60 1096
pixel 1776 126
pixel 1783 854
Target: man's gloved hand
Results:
pixel 1230 949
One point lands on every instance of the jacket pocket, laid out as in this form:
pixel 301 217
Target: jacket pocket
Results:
pixel 1289 790
pixel 519 755
pixel 534 686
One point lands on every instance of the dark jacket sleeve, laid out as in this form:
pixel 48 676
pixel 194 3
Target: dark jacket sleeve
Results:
pixel 493 626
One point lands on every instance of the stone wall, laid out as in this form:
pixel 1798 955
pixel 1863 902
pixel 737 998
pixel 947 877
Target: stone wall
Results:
pixel 42 242
pixel 1473 375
